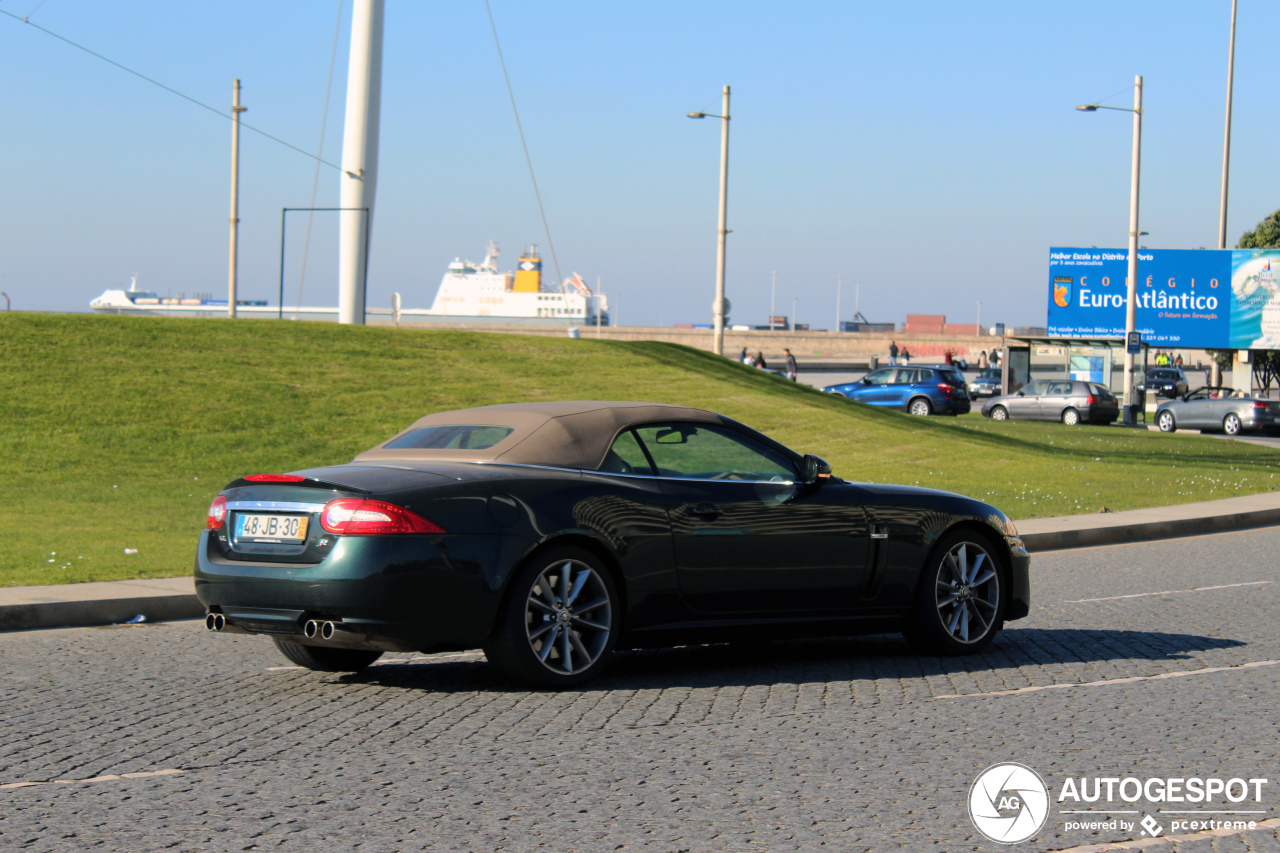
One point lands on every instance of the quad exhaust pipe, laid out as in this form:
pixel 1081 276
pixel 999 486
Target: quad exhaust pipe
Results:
pixel 215 622
pixel 316 628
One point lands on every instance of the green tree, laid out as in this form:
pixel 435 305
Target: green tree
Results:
pixel 1265 236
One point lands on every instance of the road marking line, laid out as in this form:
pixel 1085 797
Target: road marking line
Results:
pixel 1107 682
pixel 109 777
pixel 1147 843
pixel 1165 592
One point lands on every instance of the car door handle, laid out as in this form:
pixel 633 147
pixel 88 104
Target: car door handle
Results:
pixel 704 510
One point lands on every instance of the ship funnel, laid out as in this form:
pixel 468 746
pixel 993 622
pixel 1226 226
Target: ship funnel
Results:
pixel 529 272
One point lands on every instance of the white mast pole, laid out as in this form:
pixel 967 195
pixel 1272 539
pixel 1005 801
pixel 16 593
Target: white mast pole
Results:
pixel 232 279
pixel 359 158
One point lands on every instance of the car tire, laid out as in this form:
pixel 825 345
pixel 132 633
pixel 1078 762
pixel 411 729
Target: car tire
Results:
pixel 1166 422
pixel 1231 424
pixel 1070 417
pixel 325 659
pixel 961 590
pixel 559 622
pixel 920 406
pixel 999 413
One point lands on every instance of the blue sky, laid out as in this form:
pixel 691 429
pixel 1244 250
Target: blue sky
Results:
pixel 928 149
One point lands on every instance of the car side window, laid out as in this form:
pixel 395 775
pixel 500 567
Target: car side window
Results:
pixel 1060 389
pixel 905 376
pixel 625 456
pixel 1035 388
pixel 706 452
pixel 880 377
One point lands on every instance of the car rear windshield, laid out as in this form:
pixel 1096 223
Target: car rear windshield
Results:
pixel 1099 391
pixel 452 436
pixel 955 377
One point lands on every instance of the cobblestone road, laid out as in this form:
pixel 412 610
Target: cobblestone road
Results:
pixel 818 745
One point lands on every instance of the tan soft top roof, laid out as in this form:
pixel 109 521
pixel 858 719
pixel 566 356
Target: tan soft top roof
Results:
pixel 566 434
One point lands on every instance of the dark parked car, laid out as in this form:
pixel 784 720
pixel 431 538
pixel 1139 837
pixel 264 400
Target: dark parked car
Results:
pixel 551 534
pixel 1165 382
pixel 920 390
pixel 986 384
pixel 1068 400
pixel 1214 408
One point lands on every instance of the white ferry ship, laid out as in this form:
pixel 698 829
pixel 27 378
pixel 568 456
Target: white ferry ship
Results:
pixel 469 293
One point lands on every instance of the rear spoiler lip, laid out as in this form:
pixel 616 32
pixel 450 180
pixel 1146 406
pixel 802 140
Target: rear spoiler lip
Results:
pixel 308 483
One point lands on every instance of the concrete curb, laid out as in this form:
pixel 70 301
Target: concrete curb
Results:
pixel 102 611
pixel 1147 531
pixel 1143 525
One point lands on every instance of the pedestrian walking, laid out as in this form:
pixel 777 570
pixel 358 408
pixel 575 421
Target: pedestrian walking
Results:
pixel 759 360
pixel 982 360
pixel 893 353
pixel 791 365
pixel 948 357
pixel 906 356
pixel 744 358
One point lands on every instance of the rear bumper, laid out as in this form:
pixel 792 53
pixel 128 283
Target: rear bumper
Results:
pixel 943 405
pixel 1259 420
pixel 1100 414
pixel 396 593
pixel 1019 579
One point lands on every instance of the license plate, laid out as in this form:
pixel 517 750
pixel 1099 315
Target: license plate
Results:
pixel 271 528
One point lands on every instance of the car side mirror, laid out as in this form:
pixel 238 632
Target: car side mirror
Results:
pixel 1022 394
pixel 865 381
pixel 814 470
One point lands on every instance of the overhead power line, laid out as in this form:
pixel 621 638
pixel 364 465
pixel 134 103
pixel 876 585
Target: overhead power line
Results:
pixel 169 89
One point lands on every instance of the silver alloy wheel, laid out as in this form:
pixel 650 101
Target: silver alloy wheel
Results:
pixel 920 407
pixel 1166 421
pixel 1231 424
pixel 568 617
pixel 1071 417
pixel 999 413
pixel 967 592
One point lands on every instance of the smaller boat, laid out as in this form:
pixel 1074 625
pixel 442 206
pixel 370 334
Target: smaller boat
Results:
pixel 141 302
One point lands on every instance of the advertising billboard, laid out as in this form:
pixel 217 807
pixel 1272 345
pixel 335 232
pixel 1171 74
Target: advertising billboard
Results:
pixel 1191 298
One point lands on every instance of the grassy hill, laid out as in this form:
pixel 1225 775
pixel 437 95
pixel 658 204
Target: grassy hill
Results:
pixel 115 432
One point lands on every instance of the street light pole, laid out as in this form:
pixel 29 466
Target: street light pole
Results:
pixel 773 296
pixel 236 109
pixel 1226 134
pixel 718 307
pixel 1131 292
pixel 1131 300
pixel 839 284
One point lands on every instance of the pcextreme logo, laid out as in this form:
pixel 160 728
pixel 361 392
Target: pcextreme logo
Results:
pixel 1009 803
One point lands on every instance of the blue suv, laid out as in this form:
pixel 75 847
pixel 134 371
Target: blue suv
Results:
pixel 918 390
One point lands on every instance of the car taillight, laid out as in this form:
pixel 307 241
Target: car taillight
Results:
pixel 1088 401
pixel 274 478
pixel 945 388
pixel 365 517
pixel 1258 404
pixel 217 513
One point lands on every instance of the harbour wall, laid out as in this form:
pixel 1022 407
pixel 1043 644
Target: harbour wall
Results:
pixel 854 347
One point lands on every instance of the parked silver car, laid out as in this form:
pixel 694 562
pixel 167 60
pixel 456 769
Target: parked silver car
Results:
pixel 1214 408
pixel 1068 400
